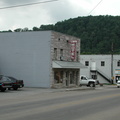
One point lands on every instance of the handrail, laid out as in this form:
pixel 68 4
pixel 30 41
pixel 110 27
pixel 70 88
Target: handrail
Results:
pixel 103 75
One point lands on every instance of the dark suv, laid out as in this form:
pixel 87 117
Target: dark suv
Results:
pixel 16 83
pixel 5 83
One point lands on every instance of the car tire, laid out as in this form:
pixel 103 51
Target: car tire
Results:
pixel 9 88
pixel 92 84
pixel 3 89
pixel 15 88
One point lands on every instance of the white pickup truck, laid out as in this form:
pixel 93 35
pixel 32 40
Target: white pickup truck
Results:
pixel 86 81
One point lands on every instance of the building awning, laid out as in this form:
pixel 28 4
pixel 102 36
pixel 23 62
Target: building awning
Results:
pixel 64 64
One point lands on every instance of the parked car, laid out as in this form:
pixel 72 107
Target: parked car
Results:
pixel 16 83
pixel 87 82
pixel 5 83
pixel 118 83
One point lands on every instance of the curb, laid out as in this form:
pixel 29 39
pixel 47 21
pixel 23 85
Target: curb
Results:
pixel 74 89
pixel 85 88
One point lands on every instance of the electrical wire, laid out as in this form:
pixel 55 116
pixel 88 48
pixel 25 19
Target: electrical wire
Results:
pixel 14 6
pixel 94 7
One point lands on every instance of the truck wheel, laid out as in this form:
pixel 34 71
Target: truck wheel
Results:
pixel 15 88
pixel 9 88
pixel 92 84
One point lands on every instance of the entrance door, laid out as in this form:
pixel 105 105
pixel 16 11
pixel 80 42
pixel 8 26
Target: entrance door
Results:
pixel 67 78
pixel 77 73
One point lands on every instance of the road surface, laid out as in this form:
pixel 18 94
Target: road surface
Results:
pixel 103 103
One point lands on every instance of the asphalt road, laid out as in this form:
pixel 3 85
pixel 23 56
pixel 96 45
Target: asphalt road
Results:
pixel 102 103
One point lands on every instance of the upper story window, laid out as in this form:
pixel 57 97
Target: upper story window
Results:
pixel 86 63
pixel 55 53
pixel 77 56
pixel 61 54
pixel 102 63
pixel 118 63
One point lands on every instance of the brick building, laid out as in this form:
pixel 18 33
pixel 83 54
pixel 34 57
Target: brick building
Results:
pixel 65 53
pixel 42 59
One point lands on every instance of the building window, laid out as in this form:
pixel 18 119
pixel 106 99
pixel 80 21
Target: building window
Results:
pixel 86 63
pixel 61 76
pixel 102 63
pixel 77 56
pixel 118 63
pixel 61 54
pixel 94 76
pixel 55 53
pixel 57 77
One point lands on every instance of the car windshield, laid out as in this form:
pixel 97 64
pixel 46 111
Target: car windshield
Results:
pixel 12 78
pixel 3 78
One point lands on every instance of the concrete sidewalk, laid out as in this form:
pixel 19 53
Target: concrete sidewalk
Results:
pixel 45 90
pixel 72 89
pixel 83 88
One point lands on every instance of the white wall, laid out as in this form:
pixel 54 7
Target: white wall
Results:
pixel 105 69
pixel 26 55
pixel 97 59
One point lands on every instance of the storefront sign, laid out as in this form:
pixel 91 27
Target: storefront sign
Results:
pixel 73 49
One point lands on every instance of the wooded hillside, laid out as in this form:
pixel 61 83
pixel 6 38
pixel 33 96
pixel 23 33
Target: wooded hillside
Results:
pixel 97 33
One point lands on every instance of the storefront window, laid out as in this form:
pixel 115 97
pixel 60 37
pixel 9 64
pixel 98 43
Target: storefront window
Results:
pixel 58 77
pixel 61 76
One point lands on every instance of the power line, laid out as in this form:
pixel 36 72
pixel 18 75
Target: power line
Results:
pixel 14 6
pixel 95 7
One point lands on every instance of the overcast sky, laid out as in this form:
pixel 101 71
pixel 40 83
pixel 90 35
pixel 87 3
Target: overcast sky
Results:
pixel 51 12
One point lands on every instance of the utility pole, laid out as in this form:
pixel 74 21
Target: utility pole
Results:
pixel 112 77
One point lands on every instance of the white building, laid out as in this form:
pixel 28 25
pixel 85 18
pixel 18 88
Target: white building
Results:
pixel 41 59
pixel 105 68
